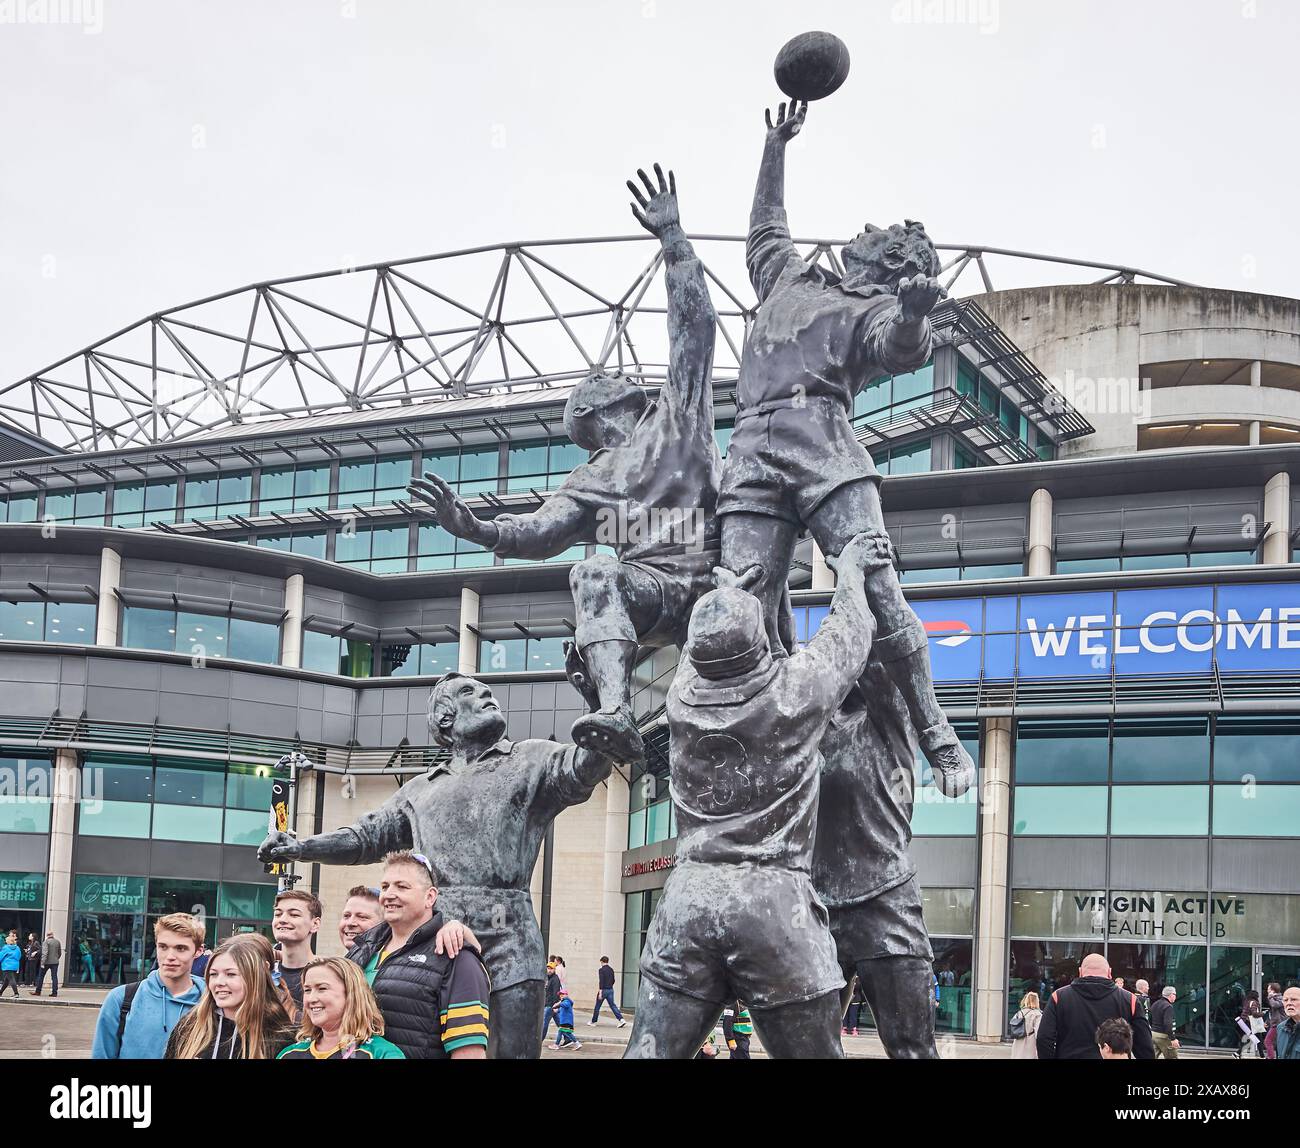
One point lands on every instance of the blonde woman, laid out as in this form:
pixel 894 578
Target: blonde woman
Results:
pixel 1026 1022
pixel 241 1016
pixel 340 1017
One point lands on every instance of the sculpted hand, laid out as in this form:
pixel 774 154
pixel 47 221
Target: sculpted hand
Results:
pixel 279 846
pixel 865 551
pixel 658 213
pixel 786 127
pixel 450 509
pixel 917 296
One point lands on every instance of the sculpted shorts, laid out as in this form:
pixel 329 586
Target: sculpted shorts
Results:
pixel 786 462
pixel 752 932
pixel 665 587
pixel 887 925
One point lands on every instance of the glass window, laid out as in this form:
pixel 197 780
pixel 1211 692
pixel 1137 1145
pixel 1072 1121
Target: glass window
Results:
pixel 199 783
pixel 72 622
pixel 1061 751
pixel 311 487
pixel 247 902
pixel 128 504
pixel 145 629
pixel 478 470
pixel 1161 749
pixel 186 823
pixel 1257 810
pixel 933 814
pixel 404 661
pixel 235 493
pixel 275 491
pixel 1256 749
pixel 914 390
pixel 636 829
pixel 248 787
pixel 320 652
pixel 1218 1004
pixel 658 822
pixel 1086 565
pixel 1058 913
pixel 18 508
pixel 254 641
pixel 505 656
pixel 120 780
pixel 1222 558
pixel 1160 810
pixel 996 570
pixel 931 574
pixel 26 786
pixel 114 819
pixel 178 895
pixel 389 546
pixel 200 635
pixel 953 974
pixel 949 911
pixel 524 464
pixel 22 621
pixel 1060 810
pixel 1153 561
pixel 546 653
pixel 910 459
pixel 245 826
pixel 59 505
pixel 355 476
pixel 1042 967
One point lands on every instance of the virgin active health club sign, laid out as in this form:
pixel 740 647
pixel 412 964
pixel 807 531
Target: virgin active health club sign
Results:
pixel 1171 630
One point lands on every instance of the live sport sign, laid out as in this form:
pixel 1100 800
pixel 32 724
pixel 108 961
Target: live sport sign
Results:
pixel 1170 630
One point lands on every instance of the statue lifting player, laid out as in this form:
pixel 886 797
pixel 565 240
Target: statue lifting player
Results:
pixel 649 490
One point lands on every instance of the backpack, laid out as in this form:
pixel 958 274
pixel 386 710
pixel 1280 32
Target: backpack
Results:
pixel 1017 1027
pixel 125 1010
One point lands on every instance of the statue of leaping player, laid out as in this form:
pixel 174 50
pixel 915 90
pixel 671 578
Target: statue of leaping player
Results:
pixel 793 460
pixel 649 490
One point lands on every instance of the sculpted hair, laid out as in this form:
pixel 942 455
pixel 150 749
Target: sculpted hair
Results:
pixel 361 1016
pixel 440 704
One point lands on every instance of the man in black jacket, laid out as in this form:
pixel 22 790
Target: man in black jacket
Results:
pixel 1163 1029
pixel 605 994
pixel 1073 1013
pixel 435 1005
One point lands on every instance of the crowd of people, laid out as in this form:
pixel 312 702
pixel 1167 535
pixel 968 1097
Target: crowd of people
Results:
pixel 409 985
pixel 1095 1015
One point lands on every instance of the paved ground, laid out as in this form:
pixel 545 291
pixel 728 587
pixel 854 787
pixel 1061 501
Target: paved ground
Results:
pixel 63 1028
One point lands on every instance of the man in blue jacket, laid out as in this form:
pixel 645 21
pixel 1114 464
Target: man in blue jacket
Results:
pixel 135 1020
pixel 11 957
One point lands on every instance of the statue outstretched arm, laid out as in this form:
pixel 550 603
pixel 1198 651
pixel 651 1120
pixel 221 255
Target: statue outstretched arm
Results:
pixel 559 523
pixel 375 834
pixel 692 321
pixel 768 248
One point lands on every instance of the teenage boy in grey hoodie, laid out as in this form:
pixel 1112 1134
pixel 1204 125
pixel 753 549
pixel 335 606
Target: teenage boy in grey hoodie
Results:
pixel 155 1005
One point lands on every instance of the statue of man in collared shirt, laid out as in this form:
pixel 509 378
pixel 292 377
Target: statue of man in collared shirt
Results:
pixel 480 819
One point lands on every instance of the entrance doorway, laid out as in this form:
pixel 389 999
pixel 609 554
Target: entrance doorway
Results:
pixel 1276 965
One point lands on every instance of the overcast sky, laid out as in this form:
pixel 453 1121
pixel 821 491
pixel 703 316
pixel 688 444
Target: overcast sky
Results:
pixel 169 149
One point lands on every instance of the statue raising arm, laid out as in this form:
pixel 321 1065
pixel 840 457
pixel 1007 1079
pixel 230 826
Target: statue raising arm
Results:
pixel 692 321
pixel 768 249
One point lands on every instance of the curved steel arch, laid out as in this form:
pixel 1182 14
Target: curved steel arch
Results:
pixel 482 319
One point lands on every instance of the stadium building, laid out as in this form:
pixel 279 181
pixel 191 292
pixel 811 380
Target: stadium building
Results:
pixel 208 559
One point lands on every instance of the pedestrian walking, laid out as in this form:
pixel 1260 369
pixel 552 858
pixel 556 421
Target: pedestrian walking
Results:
pixel 87 955
pixel 1143 990
pixel 1024 1028
pixel 564 1037
pixel 11 959
pixel 605 994
pixel 1164 1030
pixel 51 955
pixel 1253 1027
pixel 552 996
pixel 32 960
pixel 853 1014
pixel 737 1028
pixel 1073 1013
